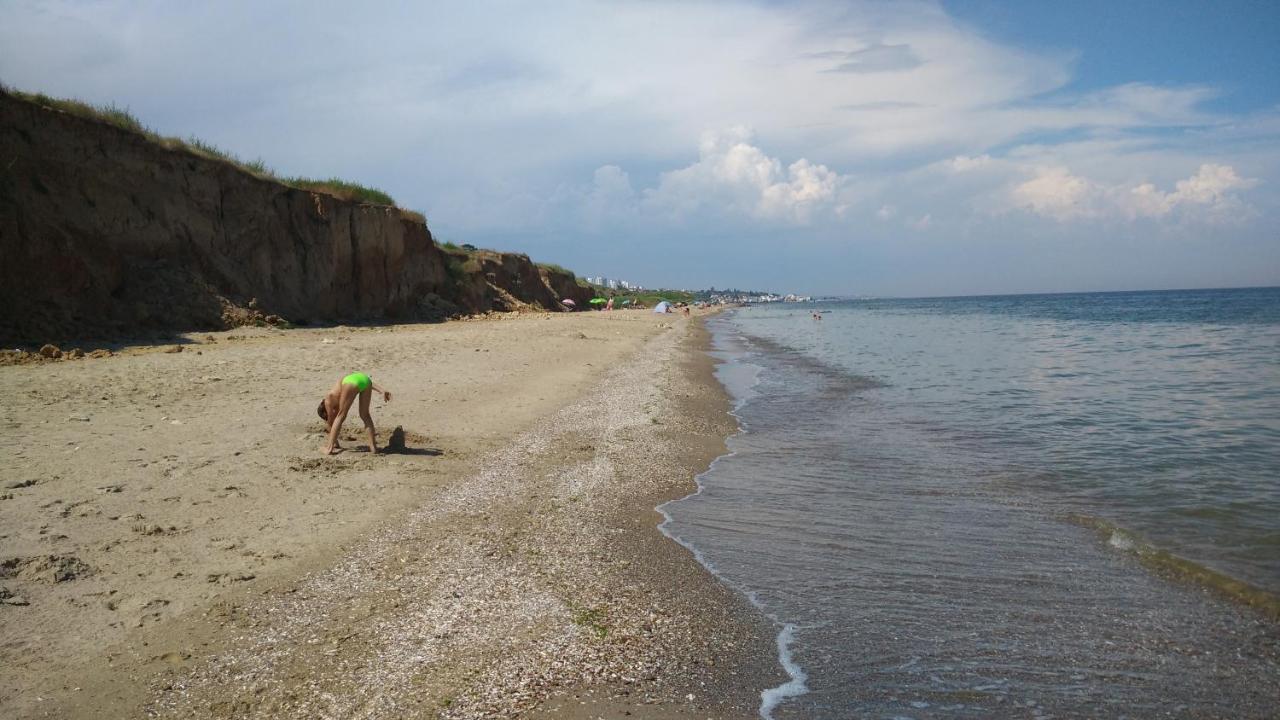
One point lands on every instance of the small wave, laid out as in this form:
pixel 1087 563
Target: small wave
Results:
pixel 795 686
pixel 851 382
pixel 771 698
pixel 1166 564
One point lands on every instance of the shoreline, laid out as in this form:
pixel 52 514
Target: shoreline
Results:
pixel 529 544
pixel 794 684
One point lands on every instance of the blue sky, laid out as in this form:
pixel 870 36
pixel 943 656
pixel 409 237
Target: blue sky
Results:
pixel 905 148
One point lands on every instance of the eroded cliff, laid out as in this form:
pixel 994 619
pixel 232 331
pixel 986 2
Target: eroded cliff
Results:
pixel 105 233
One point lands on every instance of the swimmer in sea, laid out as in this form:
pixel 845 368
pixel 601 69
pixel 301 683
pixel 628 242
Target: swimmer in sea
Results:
pixel 335 405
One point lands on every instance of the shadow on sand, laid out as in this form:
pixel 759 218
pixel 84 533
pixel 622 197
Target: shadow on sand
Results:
pixel 397 444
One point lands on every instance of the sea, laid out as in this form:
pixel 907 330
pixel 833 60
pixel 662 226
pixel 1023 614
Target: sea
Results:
pixel 1030 506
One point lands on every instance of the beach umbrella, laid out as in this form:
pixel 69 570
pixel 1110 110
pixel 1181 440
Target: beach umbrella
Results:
pixel 568 302
pixel 626 302
pixel 598 301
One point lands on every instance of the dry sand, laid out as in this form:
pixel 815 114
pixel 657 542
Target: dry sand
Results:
pixel 175 545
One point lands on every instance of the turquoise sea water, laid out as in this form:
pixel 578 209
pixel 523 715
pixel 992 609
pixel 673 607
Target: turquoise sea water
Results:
pixel 917 489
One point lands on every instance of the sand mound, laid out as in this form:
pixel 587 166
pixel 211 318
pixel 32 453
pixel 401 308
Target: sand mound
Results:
pixel 45 568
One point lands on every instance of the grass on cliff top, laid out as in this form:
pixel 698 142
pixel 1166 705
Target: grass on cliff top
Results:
pixel 471 255
pixel 552 267
pixel 125 120
pixel 342 189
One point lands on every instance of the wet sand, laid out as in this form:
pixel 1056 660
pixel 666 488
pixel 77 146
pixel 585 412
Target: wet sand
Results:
pixel 175 545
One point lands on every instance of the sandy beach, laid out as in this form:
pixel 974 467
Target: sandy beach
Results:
pixel 175 545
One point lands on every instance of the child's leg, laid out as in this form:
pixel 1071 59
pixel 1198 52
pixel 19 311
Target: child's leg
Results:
pixel 347 396
pixel 365 397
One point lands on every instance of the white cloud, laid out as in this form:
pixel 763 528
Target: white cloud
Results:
pixel 963 163
pixel 1056 193
pixel 735 176
pixel 609 197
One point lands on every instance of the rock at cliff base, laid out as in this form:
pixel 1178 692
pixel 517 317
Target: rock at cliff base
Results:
pixel 50 351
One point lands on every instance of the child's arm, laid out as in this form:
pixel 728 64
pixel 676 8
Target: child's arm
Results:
pixel 334 429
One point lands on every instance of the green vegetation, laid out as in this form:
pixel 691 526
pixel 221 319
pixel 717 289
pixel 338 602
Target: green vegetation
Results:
pixel 341 189
pixel 122 118
pixel 455 267
pixel 552 267
pixel 592 618
pixel 648 298
pixel 117 116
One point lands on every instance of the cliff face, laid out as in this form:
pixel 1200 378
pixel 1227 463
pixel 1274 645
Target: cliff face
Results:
pixel 105 233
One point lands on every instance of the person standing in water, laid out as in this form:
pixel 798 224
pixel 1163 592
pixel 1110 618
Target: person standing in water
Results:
pixel 335 405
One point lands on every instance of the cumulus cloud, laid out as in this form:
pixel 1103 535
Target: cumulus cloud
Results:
pixel 609 196
pixel 1056 193
pixel 734 175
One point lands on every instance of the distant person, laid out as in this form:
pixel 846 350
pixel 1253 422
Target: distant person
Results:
pixel 816 316
pixel 335 405
pixel 608 306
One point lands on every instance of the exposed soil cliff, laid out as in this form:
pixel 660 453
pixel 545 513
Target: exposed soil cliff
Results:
pixel 105 233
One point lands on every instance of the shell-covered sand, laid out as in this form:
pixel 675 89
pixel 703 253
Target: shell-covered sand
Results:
pixel 174 544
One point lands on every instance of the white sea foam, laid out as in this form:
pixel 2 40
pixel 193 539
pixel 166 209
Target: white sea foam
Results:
pixel 771 698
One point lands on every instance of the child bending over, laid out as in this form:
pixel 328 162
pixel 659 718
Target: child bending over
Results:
pixel 335 405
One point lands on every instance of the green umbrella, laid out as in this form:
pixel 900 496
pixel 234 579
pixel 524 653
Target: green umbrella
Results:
pixel 598 301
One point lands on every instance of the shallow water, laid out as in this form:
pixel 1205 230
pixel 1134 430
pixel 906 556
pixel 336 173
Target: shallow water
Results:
pixel 899 500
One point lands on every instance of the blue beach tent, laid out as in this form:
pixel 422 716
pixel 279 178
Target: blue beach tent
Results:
pixel 661 307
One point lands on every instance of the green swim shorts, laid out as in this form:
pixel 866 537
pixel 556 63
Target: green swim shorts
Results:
pixel 360 380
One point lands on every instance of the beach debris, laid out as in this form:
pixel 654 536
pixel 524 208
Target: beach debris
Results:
pixel 173 349
pixel 47 352
pixel 7 597
pixel 16 484
pixel 153 529
pixel 222 578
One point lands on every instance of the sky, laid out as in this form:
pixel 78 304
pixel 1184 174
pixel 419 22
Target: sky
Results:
pixel 832 148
